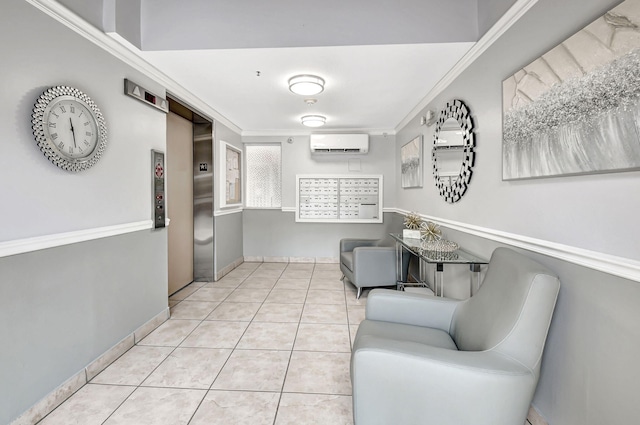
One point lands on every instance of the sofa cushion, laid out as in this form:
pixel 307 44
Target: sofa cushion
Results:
pixel 346 258
pixel 403 332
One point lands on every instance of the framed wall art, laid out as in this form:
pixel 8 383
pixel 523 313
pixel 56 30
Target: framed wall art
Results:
pixel 576 109
pixel 411 163
pixel 231 167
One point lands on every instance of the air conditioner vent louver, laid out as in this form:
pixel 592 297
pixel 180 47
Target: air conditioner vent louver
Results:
pixel 339 143
pixel 337 150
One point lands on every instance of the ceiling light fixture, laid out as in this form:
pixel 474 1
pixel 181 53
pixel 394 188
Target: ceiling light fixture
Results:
pixel 306 85
pixel 313 120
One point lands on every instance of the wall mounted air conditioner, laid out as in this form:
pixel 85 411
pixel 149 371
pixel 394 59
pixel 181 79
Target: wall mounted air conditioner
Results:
pixel 339 143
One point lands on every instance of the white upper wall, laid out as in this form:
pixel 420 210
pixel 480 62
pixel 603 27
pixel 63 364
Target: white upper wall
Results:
pixel 39 198
pixel 297 159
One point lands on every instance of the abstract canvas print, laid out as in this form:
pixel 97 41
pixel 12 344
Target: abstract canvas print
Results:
pixel 576 109
pixel 411 163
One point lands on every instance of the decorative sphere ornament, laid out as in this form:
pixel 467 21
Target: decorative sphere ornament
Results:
pixel 430 232
pixel 412 221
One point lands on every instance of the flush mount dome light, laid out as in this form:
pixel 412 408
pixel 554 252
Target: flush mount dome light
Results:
pixel 306 85
pixel 313 120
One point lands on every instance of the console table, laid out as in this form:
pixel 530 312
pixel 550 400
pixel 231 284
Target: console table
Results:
pixel 439 258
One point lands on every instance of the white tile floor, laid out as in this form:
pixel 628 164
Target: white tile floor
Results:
pixel 268 344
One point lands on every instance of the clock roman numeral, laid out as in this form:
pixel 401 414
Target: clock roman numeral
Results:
pixel 55 115
pixel 61 145
pixel 88 133
pixel 52 124
pixel 70 149
pixel 62 109
pixel 72 109
pixel 86 124
pixel 54 136
pixel 86 143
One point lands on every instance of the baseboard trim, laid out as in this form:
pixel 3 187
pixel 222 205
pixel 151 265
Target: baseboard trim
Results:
pixel 56 397
pixel 316 260
pixel 226 270
pixel 22 246
pixel 52 400
pixel 535 418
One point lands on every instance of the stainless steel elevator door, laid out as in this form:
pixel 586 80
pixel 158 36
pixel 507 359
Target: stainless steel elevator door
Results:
pixel 203 200
pixel 179 166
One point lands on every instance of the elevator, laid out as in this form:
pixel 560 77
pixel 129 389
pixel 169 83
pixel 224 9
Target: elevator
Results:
pixel 203 253
pixel 189 196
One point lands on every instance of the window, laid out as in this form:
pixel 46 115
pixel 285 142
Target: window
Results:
pixel 264 176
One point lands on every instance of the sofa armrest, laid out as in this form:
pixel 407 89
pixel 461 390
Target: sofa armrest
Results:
pixel 411 308
pixel 405 382
pixel 347 245
pixel 374 266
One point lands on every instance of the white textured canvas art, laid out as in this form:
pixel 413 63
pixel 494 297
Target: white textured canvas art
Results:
pixel 576 109
pixel 411 163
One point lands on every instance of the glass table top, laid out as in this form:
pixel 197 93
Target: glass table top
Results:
pixel 416 246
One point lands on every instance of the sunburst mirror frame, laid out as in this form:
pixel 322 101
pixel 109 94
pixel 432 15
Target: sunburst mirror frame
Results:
pixel 453 192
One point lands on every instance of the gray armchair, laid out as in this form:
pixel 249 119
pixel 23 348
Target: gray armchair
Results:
pixel 419 359
pixel 368 262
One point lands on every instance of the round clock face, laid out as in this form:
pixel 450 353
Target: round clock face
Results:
pixel 69 128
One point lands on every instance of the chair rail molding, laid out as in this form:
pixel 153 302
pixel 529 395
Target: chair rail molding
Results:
pixel 22 246
pixel 228 211
pixel 611 264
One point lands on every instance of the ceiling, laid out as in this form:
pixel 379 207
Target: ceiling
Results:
pixel 379 58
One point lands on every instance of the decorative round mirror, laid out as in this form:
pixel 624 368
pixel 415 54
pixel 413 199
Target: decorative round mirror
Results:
pixel 453 153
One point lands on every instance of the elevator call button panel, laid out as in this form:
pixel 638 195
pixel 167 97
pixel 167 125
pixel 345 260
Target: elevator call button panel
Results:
pixel 159 210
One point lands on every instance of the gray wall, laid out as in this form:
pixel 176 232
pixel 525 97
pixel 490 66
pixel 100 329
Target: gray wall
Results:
pixel 489 11
pixel 228 233
pixel 590 372
pixel 60 308
pixel 274 233
pixel 228 229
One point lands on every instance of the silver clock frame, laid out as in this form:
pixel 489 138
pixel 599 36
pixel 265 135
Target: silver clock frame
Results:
pixel 46 145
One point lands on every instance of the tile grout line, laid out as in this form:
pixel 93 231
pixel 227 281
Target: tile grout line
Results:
pixel 286 372
pixel 232 350
pixel 173 348
pixel 172 351
pixel 178 345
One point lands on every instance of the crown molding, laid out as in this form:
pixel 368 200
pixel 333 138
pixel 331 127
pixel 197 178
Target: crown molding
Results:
pixel 120 48
pixel 512 16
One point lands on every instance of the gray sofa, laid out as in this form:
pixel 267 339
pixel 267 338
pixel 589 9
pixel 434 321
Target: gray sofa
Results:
pixel 419 359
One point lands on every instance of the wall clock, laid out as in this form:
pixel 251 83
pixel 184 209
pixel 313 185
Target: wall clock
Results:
pixel 69 128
